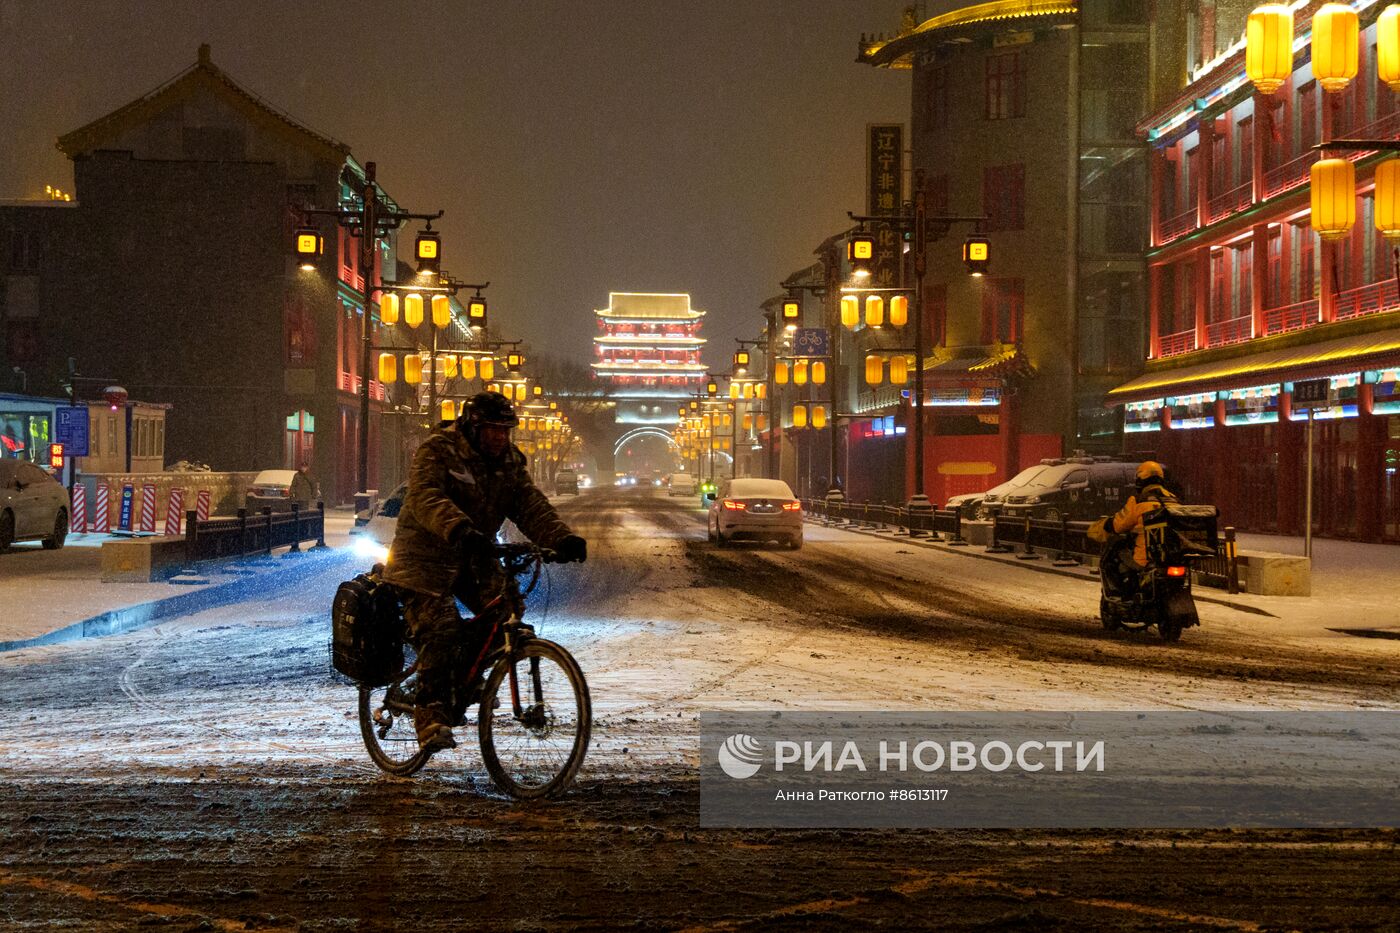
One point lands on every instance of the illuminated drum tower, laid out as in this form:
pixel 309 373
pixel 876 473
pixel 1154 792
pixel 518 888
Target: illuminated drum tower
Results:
pixel 648 350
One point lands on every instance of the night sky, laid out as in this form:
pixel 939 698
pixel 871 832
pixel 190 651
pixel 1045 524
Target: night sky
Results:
pixel 576 147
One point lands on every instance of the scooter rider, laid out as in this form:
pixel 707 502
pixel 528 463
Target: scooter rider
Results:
pixel 467 478
pixel 1150 496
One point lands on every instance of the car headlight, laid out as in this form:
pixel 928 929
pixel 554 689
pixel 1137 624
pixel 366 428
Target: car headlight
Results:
pixel 370 549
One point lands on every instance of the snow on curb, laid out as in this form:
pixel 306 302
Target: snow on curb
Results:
pixel 129 618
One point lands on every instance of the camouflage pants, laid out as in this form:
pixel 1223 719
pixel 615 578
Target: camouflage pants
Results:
pixel 446 645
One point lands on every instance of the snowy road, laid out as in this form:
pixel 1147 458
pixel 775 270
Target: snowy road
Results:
pixel 209 771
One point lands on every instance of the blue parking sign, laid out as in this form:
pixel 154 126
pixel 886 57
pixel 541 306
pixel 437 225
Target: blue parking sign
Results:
pixel 71 430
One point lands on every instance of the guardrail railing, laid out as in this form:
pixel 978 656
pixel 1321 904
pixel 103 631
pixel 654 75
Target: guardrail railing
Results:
pixel 246 534
pixel 1028 538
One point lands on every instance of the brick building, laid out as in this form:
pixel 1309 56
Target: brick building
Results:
pixel 170 274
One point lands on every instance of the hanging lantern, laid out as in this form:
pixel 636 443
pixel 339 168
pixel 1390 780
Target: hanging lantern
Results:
pixel 388 368
pixel 724 442
pixel 899 311
pixel 448 409
pixel 508 391
pixel 850 310
pixel 1336 41
pixel 468 367
pixel 748 390
pixel 413 369
pixel 728 421
pixel 899 370
pixel 818 416
pixel 442 311
pixel 449 366
pixel 818 373
pixel 1388 46
pixel 488 369
pixel 733 390
pixel 1388 193
pixel 476 311
pixel 1268 47
pixel 799 416
pixel 389 308
pixel 780 373
pixel 492 387
pixel 762 421
pixel 413 310
pixel 1333 197
pixel 760 391
pixel 748 422
pixel 799 373
pixel 874 311
pixel 874 370
pixel 537 391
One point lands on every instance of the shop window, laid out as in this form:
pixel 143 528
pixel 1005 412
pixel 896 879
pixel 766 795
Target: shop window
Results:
pixel 26 251
pixel 1244 151
pixel 1005 86
pixel 1273 280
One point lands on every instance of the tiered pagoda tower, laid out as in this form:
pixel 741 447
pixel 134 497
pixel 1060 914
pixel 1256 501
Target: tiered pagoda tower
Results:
pixel 648 350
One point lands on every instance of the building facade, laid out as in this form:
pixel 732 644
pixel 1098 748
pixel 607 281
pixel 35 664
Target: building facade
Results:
pixel 1023 114
pixel 1246 299
pixel 648 348
pixel 170 274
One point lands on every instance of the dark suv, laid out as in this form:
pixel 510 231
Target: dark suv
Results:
pixel 1079 489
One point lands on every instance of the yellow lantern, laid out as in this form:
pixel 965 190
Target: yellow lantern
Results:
pixel 1336 40
pixel 748 390
pixel 799 373
pixel 874 370
pixel 734 390
pixel 1268 55
pixel 388 368
pixel 468 367
pixel 899 370
pixel 874 311
pixel 818 373
pixel 899 311
pixel 508 390
pixel 1388 47
pixel 818 416
pixel 492 387
pixel 488 369
pixel 724 442
pixel 1388 192
pixel 850 310
pixel 413 310
pixel 413 369
pixel 799 416
pixel 762 422
pixel 729 421
pixel 448 409
pixel 449 366
pixel 442 311
pixel 760 391
pixel 389 308
pixel 780 373
pixel 1333 197
pixel 748 422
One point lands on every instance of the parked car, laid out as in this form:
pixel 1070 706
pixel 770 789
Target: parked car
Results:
pixel 373 539
pixel 976 504
pixel 1080 489
pixel 755 510
pixel 682 484
pixel 32 505
pixel 279 489
pixel 565 481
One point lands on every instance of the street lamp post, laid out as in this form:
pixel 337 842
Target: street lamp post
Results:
pixel 833 491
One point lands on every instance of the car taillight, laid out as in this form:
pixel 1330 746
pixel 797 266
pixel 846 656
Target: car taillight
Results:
pixel 792 506
pixel 734 505
pixel 1176 571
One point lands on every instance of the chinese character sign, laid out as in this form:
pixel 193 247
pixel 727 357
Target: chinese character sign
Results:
pixel 885 177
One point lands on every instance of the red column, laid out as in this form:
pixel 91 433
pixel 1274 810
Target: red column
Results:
pixel 1290 477
pixel 1260 275
pixel 1154 311
pixel 1007 434
pixel 1159 158
pixel 1263 113
pixel 1370 466
pixel 1203 283
pixel 1204 159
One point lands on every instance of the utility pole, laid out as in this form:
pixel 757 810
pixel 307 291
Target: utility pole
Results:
pixel 772 406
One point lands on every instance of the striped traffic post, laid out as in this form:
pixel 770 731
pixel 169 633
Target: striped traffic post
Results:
pixel 148 507
pixel 174 511
pixel 101 519
pixel 201 509
pixel 79 521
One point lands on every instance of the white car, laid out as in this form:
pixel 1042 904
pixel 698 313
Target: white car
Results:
pixel 682 484
pixel 374 538
pixel 755 510
pixel 32 505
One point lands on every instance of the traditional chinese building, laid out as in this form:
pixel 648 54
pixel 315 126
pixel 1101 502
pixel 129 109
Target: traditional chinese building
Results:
pixel 648 348
pixel 1024 114
pixel 1246 300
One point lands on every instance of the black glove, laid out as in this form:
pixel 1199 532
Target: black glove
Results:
pixel 471 543
pixel 571 549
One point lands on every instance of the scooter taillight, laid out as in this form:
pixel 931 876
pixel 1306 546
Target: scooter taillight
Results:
pixel 1176 571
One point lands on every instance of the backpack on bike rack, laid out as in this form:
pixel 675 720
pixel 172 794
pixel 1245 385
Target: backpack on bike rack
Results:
pixel 367 631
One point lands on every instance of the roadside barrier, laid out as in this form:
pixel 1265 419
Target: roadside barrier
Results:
pixel 148 508
pixel 1067 541
pixel 202 505
pixel 101 520
pixel 172 510
pixel 247 535
pixel 78 521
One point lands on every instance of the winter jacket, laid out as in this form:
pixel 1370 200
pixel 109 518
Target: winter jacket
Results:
pixel 1130 517
pixel 453 489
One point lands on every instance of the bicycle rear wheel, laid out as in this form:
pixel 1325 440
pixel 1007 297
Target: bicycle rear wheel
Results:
pixel 386 723
pixel 538 753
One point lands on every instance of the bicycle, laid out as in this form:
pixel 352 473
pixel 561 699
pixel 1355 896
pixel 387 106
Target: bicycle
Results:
pixel 536 748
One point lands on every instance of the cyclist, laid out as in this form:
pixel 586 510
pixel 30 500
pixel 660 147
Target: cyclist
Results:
pixel 467 478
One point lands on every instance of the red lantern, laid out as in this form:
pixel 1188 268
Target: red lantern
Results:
pixel 115 396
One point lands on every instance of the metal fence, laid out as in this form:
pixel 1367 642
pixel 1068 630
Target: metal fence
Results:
pixel 1027 538
pixel 247 535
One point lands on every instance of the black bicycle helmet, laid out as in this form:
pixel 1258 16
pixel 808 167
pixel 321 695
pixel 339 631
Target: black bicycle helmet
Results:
pixel 486 408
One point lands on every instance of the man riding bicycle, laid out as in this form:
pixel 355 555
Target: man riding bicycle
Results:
pixel 467 479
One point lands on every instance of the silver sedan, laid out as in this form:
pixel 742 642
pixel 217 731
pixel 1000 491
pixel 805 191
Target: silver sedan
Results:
pixel 32 505
pixel 755 510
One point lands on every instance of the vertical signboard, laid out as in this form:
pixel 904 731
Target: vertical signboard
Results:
pixel 884 195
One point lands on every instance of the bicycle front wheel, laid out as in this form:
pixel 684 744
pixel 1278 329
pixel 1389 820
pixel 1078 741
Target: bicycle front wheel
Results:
pixel 386 724
pixel 537 752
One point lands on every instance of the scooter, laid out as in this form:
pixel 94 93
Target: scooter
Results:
pixel 1160 593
